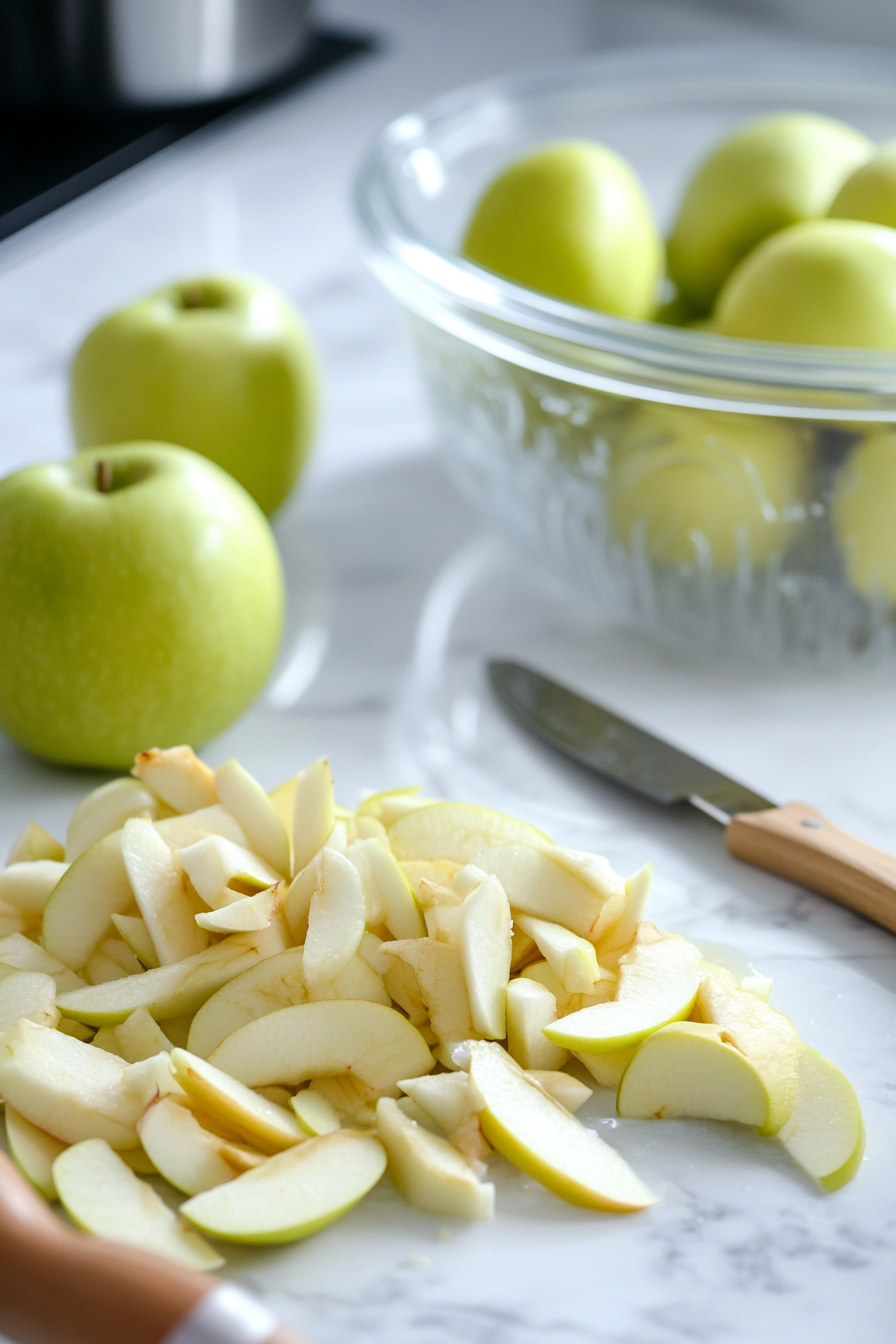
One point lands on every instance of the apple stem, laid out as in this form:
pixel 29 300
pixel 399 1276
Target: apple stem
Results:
pixel 104 476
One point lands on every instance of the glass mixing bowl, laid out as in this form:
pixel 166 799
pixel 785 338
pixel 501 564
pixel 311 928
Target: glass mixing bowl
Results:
pixel 730 497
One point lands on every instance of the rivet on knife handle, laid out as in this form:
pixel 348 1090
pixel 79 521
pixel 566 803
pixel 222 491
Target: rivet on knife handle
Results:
pixel 801 844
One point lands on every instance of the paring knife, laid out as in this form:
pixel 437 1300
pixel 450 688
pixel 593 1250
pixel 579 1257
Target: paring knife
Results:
pixel 793 841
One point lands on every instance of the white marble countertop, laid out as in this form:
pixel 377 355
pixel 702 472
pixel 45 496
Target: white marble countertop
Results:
pixel 740 1247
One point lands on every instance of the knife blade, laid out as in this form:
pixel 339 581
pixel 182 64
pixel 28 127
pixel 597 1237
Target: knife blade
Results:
pixel 795 841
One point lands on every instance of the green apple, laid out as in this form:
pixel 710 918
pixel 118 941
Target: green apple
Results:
pixel 870 192
pixel 825 1133
pixel 772 172
pixel 220 364
pixel 141 600
pixel 862 513
pixel 825 282
pixel 705 488
pixel 687 1068
pixel 571 220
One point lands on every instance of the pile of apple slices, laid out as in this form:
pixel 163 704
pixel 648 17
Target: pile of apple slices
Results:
pixel 269 1000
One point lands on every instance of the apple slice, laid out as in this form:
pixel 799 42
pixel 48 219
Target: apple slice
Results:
pixel 189 1157
pixel 687 1068
pixel 260 1122
pixel 222 872
pixel 102 1195
pixel 105 810
pixel 387 806
pixel 425 1168
pixel 138 1037
pixel 112 960
pixel 34 1151
pixel 178 776
pixel 456 831
pixel 246 800
pixel 313 1040
pixel 540 1137
pixel 439 972
pixel 241 916
pixel 313 812
pixel 390 899
pixel 537 884
pixel 336 918
pixel 275 983
pixel 315 1114
pixel 602 991
pixel 356 980
pixel 571 958
pixel 444 1097
pixel 28 994
pixel 180 832
pixel 157 882
pixel 486 938
pixel 570 1093
pixel 28 886
pixel 133 931
pixel 530 1008
pixel 293 1194
pixel 34 843
pixel 607 1069
pixel 81 906
pixel 18 953
pixel 171 991
pixel 765 1036
pixel 824 1133
pixel 658 983
pixel 71 1090
pixel 616 940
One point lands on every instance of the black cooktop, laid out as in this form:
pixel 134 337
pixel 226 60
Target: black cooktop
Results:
pixel 49 158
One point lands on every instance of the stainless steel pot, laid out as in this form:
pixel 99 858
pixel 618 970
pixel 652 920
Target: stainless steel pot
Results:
pixel 144 53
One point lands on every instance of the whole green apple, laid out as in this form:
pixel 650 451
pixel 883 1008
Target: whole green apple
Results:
pixel 870 192
pixel 220 364
pixel 571 220
pixel 862 513
pixel 704 488
pixel 773 172
pixel 826 282
pixel 141 603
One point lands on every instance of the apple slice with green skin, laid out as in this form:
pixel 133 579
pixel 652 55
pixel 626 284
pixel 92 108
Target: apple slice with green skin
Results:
pixel 540 1137
pixel 314 1040
pixel 80 909
pixel 486 939
pixel 536 884
pixel 425 1168
pixel 34 1151
pixel 189 1157
pixel 133 931
pixel 275 983
pixel 444 1097
pixel 262 1123
pixel 571 958
pixel 34 843
pixel 824 1133
pixel 295 1193
pixel 658 983
pixel 314 1113
pixel 171 991
pixel 765 1036
pixel 157 881
pixel 313 812
pixel 456 831
pixel 103 1196
pixel 246 800
pixel 178 776
pixel 241 916
pixel 181 832
pixel 616 940
pixel 28 886
pixel 388 891
pixel 336 918
pixel 688 1069
pixel 608 1068
pixel 221 872
pixel 105 810
pixel 439 972
pixel 29 994
pixel 530 1008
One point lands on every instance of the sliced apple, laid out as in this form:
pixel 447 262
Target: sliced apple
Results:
pixel 456 831
pixel 312 1040
pixel 133 931
pixel 540 1136
pixel 602 991
pixel 616 940
pixel 530 1008
pixel 221 872
pixel 112 960
pixel 105 810
pixel 250 912
pixel 157 881
pixel 246 800
pixel 18 953
pixel 687 1068
pixel 315 1114
pixel 190 1158
pixel 260 1122
pixel 313 812
pixel 439 972
pixel 571 958
pixel 293 1194
pixel 178 776
pixel 353 1101
pixel 537 884
pixel 425 1168
pixel 486 939
pixel 336 918
pixel 71 1090
pixel 824 1133
pixel 445 1097
pixel 28 886
pixel 275 983
pixel 28 994
pixel 388 806
pixel 170 991
pixel 34 1151
pixel 389 896
pixel 569 1091
pixel 765 1036
pixel 80 909
pixel 139 1037
pixel 102 1195
pixel 658 983
pixel 607 1068
pixel 35 843
pixel 356 980
pixel 181 832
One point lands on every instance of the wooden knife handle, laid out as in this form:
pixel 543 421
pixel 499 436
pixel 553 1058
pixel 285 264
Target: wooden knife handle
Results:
pixel 799 843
